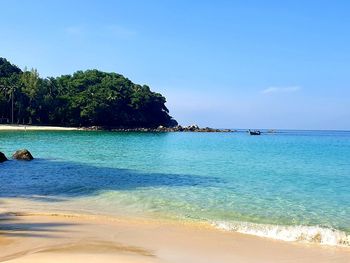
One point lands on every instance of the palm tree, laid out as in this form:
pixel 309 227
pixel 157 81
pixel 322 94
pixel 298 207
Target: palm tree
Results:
pixel 9 90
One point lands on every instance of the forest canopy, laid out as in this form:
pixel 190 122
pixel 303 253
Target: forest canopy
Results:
pixel 86 98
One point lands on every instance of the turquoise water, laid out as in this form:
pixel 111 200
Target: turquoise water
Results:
pixel 291 185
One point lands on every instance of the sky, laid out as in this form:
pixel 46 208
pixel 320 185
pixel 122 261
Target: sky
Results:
pixel 227 64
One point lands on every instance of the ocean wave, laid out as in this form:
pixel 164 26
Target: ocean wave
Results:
pixel 307 234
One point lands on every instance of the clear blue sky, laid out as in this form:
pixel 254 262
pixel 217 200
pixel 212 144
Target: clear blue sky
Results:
pixel 239 64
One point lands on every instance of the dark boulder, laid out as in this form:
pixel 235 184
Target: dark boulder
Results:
pixel 23 154
pixel 2 157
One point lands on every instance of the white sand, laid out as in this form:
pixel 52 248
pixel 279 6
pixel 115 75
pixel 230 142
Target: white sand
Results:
pixel 8 127
pixel 62 239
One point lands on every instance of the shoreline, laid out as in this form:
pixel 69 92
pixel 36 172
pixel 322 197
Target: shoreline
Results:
pixel 10 127
pixel 27 237
pixel 179 128
pixel 301 234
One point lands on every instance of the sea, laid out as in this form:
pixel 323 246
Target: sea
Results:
pixel 287 185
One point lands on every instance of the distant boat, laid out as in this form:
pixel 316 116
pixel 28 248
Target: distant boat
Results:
pixel 256 132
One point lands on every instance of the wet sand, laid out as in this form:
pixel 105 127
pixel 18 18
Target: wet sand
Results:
pixel 71 238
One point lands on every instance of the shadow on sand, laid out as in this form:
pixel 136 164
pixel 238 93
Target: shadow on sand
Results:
pixel 12 226
pixel 53 181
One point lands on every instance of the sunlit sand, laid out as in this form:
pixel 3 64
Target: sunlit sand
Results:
pixel 9 127
pixel 74 238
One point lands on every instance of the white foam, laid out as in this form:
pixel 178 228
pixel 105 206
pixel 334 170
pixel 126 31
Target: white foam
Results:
pixel 309 234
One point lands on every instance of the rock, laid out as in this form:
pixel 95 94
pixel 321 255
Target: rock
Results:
pixel 23 154
pixel 93 128
pixel 193 127
pixel 161 128
pixel 178 128
pixel 2 157
pixel 207 129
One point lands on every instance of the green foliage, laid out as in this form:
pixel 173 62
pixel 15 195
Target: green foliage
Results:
pixel 7 69
pixel 86 98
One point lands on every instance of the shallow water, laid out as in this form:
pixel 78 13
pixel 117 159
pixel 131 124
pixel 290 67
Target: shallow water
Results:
pixel 291 185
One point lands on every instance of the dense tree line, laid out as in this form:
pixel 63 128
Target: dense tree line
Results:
pixel 86 98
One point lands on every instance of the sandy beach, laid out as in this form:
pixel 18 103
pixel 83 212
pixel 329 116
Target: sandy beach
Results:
pixel 72 238
pixel 9 127
pixel 174 131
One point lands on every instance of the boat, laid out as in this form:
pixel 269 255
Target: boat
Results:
pixel 256 132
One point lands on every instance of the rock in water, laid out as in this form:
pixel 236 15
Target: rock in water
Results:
pixel 23 154
pixel 2 157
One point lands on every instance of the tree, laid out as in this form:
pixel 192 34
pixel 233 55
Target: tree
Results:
pixel 85 98
pixel 9 79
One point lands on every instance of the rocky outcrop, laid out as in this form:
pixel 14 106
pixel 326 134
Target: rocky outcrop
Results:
pixel 177 128
pixel 190 128
pixel 94 128
pixel 23 155
pixel 2 157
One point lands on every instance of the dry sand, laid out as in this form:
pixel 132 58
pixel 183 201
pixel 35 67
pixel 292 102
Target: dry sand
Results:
pixel 61 239
pixel 8 127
